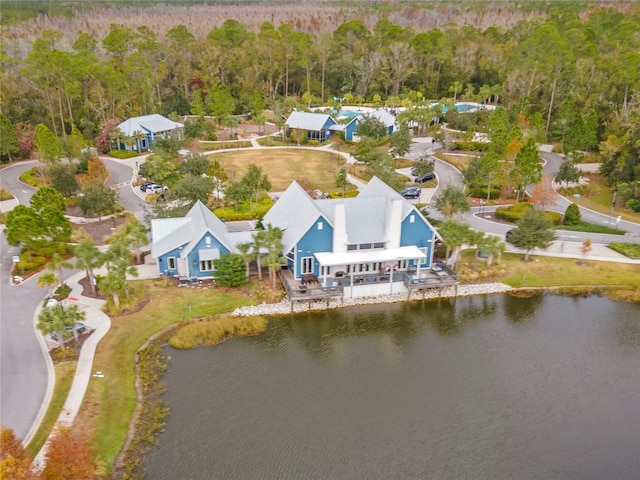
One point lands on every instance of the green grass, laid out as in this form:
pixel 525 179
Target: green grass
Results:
pixel 283 165
pixel 598 197
pixel 212 146
pixel 553 271
pixel 5 194
pixel 590 228
pixel 109 402
pixel 631 250
pixel 65 372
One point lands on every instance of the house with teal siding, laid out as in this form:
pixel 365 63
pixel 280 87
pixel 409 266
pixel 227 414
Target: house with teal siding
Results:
pixel 317 126
pixel 142 132
pixel 376 233
pixel 187 247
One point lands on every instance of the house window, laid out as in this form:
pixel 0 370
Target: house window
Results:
pixel 424 251
pixel 352 247
pixel 207 240
pixel 171 261
pixel 320 225
pixel 206 265
pixel 412 218
pixel 306 265
pixel 365 246
pixel 378 245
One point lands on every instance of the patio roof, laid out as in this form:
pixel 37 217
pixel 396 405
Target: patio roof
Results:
pixel 330 259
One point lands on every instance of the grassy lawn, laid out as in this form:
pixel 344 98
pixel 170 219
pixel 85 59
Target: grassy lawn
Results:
pixel 283 165
pixel 65 371
pixel 553 271
pixel 110 401
pixel 599 198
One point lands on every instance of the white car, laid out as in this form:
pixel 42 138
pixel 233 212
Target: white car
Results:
pixel 156 188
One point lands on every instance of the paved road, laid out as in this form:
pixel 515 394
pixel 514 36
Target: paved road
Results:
pixel 24 378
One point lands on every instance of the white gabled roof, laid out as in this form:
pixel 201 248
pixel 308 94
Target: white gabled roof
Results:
pixel 148 123
pixel 170 233
pixel 293 213
pixel 382 115
pixel 308 120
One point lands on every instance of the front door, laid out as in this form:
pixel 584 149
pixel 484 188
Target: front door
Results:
pixel 306 265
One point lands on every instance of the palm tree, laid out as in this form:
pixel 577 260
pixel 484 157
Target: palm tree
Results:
pixel 88 257
pixel 495 246
pixel 57 264
pixel 454 236
pixel 55 319
pixel 48 279
pixel 273 243
pixel 248 253
pixel 135 233
pixel 455 88
pixel 259 241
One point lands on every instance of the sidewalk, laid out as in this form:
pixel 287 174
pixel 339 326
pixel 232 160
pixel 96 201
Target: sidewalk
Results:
pixel 100 323
pixel 566 249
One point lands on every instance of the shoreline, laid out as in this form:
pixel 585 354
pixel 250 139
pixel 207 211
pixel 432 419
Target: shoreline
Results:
pixel 285 307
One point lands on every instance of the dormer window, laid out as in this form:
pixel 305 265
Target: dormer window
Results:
pixel 320 225
pixel 412 218
pixel 207 240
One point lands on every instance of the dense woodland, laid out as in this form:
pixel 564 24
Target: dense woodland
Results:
pixel 569 64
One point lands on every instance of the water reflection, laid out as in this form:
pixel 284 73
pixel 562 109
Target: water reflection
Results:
pixel 484 387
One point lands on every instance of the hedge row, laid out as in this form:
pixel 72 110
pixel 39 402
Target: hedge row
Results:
pixel 515 212
pixel 482 193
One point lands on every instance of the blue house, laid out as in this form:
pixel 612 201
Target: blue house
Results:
pixel 318 126
pixel 376 232
pixel 146 129
pixel 384 117
pixel 186 247
pixel 349 128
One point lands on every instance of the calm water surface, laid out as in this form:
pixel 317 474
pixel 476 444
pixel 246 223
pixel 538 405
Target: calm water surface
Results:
pixel 485 388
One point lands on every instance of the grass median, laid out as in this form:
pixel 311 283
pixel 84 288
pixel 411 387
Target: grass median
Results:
pixel 110 400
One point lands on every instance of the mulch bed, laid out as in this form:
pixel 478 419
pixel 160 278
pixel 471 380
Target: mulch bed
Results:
pixel 99 231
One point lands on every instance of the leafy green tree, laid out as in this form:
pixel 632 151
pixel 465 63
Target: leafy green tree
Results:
pixel 400 142
pixel 161 168
pixel 195 164
pixel 9 138
pixel 63 178
pixel 57 264
pixel 369 126
pixel 572 215
pixel 98 200
pixel 341 179
pixel 48 146
pixel 47 196
pixel 220 102
pixel 533 230
pixel 237 192
pixel 451 201
pixel 527 168
pixel 423 165
pixel 88 257
pixel 256 180
pixel 568 171
pixel 54 320
pixel 218 174
pixel 197 104
pixel 75 143
pixel 192 188
pixel 230 270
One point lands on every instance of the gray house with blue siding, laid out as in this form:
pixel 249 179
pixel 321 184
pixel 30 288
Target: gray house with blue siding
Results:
pixel 376 232
pixel 186 247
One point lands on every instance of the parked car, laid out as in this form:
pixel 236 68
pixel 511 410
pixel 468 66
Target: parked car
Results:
pixel 68 331
pixel 425 178
pixel 507 235
pixel 145 185
pixel 411 192
pixel 157 188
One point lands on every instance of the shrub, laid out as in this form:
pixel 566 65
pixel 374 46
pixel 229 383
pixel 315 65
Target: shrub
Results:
pixel 633 204
pixel 482 193
pixel 572 215
pixel 62 292
pixel 512 213
pixel 230 214
pixel 470 146
pixel 32 177
pixel 122 154
pixel 554 217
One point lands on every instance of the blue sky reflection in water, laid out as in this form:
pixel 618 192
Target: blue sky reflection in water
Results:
pixel 487 387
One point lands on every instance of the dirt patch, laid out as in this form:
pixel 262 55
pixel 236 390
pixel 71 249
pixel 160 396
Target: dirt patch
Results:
pixel 582 263
pixel 98 231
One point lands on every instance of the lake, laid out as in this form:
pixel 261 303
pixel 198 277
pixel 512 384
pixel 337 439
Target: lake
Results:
pixel 493 387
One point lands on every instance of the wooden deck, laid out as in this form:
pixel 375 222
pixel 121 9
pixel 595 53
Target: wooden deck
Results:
pixel 309 291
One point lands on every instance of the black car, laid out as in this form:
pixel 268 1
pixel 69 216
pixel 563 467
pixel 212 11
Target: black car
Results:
pixel 507 235
pixel 425 178
pixel 144 186
pixel 411 192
